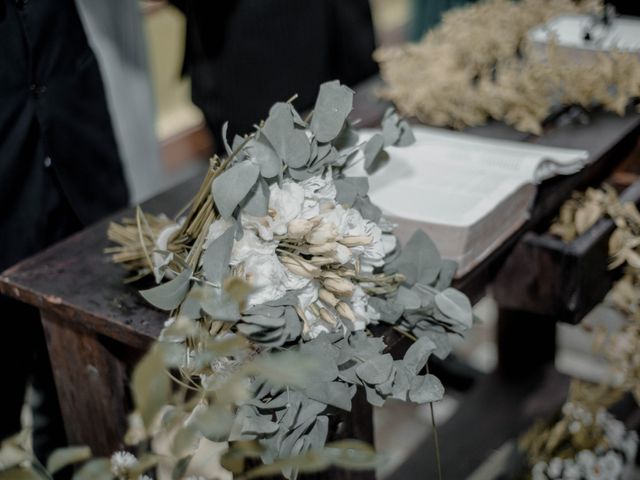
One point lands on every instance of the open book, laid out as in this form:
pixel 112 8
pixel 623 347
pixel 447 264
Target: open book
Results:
pixel 468 193
pixel 586 33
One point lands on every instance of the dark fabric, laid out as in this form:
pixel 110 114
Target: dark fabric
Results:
pixel 49 77
pixel 59 171
pixel 244 55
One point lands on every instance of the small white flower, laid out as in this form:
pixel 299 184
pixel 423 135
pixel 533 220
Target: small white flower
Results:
pixel 611 464
pixel 575 427
pixel 586 459
pixel 122 462
pixel 364 313
pixel 555 468
pixel 630 446
pixel 571 470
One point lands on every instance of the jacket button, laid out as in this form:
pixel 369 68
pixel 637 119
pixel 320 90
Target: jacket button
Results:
pixel 47 162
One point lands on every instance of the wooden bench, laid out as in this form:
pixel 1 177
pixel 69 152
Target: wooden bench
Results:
pixel 97 327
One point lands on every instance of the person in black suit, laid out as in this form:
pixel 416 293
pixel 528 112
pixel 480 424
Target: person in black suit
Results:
pixel 59 171
pixel 245 55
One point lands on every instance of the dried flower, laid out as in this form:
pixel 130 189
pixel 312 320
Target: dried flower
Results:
pixel 321 234
pixel 327 297
pixel 339 286
pixel 299 227
pixel 122 462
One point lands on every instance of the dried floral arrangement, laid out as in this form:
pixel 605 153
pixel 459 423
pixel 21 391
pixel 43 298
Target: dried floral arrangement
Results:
pixel 478 65
pixel 281 226
pixel 586 442
pixel 620 345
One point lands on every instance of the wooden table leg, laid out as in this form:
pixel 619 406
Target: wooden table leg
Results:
pixel 526 342
pixel 91 385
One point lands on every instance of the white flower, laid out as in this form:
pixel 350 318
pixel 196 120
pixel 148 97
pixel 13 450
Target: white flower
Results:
pixel 144 477
pixel 285 204
pixel 122 462
pixel 555 468
pixel 630 446
pixel 269 278
pixel 615 431
pixel 571 471
pixel 611 464
pixel 586 459
pixel 538 472
pixel 364 313
pixel 319 188
pixel 248 246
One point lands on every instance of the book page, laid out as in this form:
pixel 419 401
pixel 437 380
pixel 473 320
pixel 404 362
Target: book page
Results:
pixel 455 179
pixel 622 33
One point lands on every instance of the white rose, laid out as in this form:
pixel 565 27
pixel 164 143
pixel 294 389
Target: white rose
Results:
pixel 319 188
pixel 250 244
pixel 286 204
pixel 266 275
pixel 364 313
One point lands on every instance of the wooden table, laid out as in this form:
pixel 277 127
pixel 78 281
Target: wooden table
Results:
pixel 96 326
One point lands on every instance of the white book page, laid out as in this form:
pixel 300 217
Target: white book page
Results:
pixel 623 33
pixel 453 178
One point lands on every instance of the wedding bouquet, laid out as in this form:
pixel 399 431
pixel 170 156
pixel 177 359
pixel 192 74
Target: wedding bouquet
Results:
pixel 283 247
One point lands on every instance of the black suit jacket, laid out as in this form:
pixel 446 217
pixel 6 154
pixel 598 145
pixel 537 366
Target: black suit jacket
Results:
pixel 244 55
pixel 55 129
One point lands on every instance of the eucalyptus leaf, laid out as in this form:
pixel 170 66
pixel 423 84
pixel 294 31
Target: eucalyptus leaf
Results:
pixel 374 155
pixel 317 436
pixel 336 394
pixel 169 295
pixel 419 261
pixel 180 468
pixel 375 370
pixel 220 305
pixel 233 185
pixel 367 209
pixel 97 469
pixel 401 382
pixel 216 258
pixel 456 306
pixel 349 188
pixel 257 201
pixel 409 299
pixel 426 389
pixel 418 353
pixel 332 107
pixel 64 457
pixel 21 473
pixel 150 385
pixel 185 441
pixel 214 423
pixel 390 311
pixel 258 425
pixel 265 156
pixel 373 397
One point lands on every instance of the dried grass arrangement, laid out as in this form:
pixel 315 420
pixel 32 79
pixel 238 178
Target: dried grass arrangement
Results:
pixel 479 65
